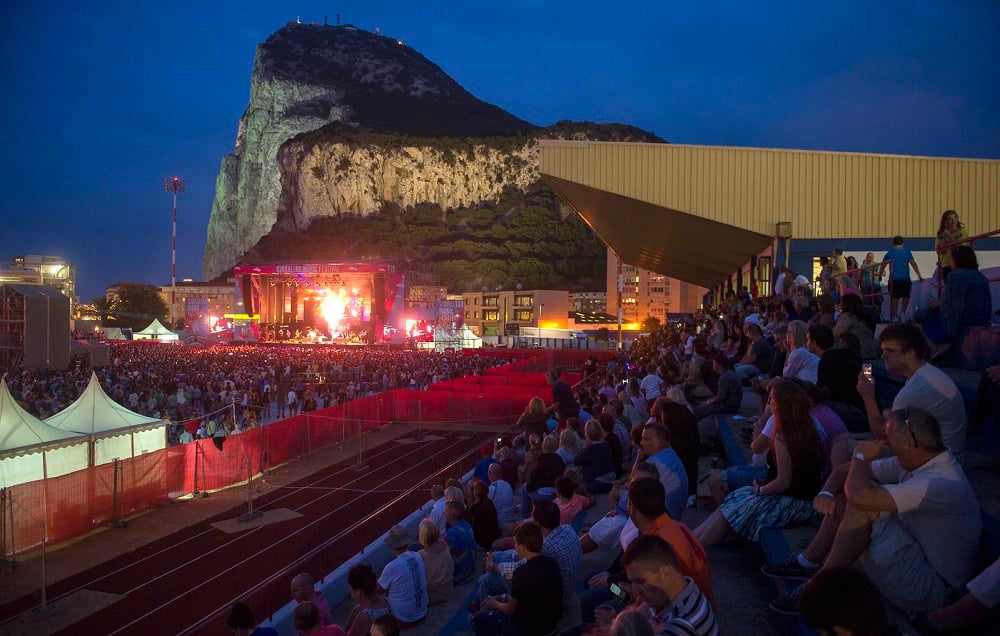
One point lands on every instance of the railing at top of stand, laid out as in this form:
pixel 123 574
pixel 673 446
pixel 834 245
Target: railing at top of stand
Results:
pixel 875 289
pixel 971 241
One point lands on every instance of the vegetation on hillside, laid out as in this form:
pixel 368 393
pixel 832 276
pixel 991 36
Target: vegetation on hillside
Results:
pixel 519 239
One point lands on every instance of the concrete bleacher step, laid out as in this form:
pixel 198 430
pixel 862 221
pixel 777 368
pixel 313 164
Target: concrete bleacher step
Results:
pixel 777 545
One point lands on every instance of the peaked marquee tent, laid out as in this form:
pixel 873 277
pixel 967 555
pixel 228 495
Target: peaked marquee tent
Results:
pixel 30 449
pixel 155 331
pixel 114 431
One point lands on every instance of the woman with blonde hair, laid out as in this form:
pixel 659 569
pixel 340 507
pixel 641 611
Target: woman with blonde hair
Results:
pixel 534 420
pixel 438 564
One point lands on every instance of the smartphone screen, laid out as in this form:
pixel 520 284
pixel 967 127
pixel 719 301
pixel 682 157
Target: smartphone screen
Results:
pixel 617 590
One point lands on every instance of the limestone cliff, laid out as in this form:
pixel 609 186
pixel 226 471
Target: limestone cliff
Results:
pixel 345 127
pixel 306 76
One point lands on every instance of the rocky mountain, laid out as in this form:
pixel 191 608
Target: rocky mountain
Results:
pixel 348 129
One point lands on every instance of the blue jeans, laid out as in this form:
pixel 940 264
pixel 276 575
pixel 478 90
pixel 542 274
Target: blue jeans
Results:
pixel 492 622
pixel 491 584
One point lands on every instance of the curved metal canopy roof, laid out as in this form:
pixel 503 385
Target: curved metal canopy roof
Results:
pixel 670 242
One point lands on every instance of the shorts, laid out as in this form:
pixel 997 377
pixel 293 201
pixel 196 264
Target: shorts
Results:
pixel 900 288
pixel 607 531
pixel 897 566
pixel 743 475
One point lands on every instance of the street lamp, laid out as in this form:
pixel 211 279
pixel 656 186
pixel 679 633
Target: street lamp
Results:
pixel 175 186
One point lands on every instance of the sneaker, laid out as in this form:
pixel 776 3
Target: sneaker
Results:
pixel 789 603
pixel 790 569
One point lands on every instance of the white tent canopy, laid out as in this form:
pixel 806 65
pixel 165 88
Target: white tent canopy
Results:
pixel 30 449
pixel 116 432
pixel 155 331
pixel 454 338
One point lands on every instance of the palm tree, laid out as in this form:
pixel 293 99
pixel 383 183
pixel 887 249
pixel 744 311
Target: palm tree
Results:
pixel 104 307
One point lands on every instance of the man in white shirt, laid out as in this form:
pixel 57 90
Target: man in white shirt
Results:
pixel 502 496
pixel 437 509
pixel 927 387
pixel 912 522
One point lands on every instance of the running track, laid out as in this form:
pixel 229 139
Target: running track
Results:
pixel 186 582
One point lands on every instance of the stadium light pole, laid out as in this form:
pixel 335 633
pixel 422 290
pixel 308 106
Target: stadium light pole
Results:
pixel 175 186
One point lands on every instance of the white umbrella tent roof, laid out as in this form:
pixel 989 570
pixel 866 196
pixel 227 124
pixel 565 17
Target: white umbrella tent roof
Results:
pixel 31 449
pixel 154 331
pixel 117 432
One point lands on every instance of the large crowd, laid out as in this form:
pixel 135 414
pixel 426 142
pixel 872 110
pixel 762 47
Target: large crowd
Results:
pixel 878 471
pixel 231 388
pixel 899 523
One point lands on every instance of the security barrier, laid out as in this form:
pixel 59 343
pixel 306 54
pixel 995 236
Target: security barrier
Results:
pixel 62 508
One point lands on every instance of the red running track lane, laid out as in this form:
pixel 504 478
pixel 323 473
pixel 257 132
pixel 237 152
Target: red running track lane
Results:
pixel 186 582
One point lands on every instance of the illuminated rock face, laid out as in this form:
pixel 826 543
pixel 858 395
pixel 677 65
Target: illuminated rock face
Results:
pixel 348 177
pixel 308 76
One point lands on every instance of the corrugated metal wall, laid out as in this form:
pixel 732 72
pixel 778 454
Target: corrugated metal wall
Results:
pixel 823 194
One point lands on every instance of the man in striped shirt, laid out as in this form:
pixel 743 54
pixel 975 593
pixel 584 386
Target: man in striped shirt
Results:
pixel 674 603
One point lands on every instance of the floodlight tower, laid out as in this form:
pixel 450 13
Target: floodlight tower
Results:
pixel 175 186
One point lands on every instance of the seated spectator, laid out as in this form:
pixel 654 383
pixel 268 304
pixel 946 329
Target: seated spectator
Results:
pixel 726 401
pixel 502 495
pixel 536 596
pixel 368 604
pixel 854 319
pixel 647 512
pixel 569 446
pixel 836 377
pixel 306 618
pixel 615 528
pixel 673 600
pixel 482 516
pixel 796 460
pixel 560 543
pixel 437 508
pixel 594 461
pixel 481 470
pixel 632 622
pixel 303 588
pixel 758 357
pixel 439 567
pixel 533 420
pixel 844 601
pixel 800 362
pixel 965 303
pixel 607 421
pixel 673 411
pixel 461 542
pixel 508 465
pixel 656 448
pixel 912 521
pixel 385 626
pixel 541 485
pixel 695 386
pixel 570 502
pixel 927 387
pixel 242 622
pixel 403 582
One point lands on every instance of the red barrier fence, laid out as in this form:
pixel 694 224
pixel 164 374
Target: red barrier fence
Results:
pixel 58 509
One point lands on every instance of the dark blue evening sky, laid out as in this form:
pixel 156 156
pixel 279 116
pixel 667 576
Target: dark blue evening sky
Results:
pixel 104 100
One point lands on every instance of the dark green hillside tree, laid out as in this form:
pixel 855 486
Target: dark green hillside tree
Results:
pixel 138 305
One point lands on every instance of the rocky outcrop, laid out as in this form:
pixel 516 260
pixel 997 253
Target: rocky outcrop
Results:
pixel 306 76
pixel 342 122
pixel 351 177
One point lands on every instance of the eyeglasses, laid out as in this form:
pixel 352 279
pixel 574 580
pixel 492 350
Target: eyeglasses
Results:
pixel 903 415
